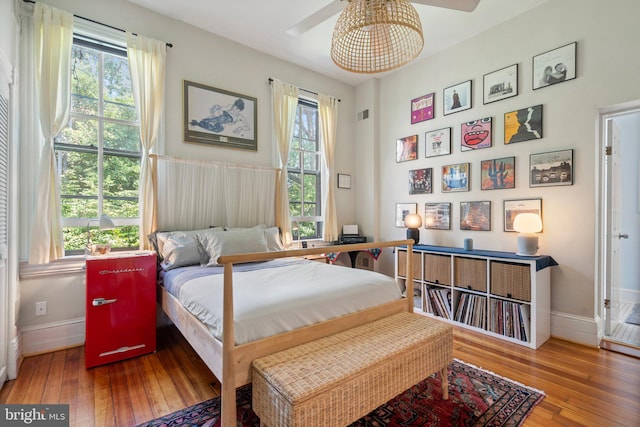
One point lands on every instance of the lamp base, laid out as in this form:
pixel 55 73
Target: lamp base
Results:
pixel 527 245
pixel 413 233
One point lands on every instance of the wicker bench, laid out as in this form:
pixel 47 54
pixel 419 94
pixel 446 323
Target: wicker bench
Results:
pixel 336 380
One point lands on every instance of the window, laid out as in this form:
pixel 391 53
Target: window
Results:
pixel 98 154
pixel 305 174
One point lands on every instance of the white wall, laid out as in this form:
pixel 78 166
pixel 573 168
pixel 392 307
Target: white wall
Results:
pixel 607 74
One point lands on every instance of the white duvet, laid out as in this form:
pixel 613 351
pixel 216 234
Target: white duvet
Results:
pixel 275 300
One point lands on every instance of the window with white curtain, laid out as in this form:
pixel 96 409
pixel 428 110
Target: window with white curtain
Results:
pixel 304 178
pixel 98 154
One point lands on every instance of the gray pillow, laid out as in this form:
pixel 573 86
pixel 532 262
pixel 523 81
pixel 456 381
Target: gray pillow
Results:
pixel 233 241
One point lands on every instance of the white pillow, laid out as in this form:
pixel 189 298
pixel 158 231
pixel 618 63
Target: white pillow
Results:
pixel 274 242
pixel 233 241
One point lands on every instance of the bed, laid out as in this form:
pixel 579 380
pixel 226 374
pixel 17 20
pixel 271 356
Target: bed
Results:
pixel 221 332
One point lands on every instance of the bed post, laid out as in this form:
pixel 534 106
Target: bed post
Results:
pixel 409 278
pixel 228 387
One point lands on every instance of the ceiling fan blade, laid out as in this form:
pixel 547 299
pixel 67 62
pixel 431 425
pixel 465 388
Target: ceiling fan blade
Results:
pixel 463 5
pixel 316 18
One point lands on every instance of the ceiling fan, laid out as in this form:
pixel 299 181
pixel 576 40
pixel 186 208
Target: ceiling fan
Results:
pixel 336 6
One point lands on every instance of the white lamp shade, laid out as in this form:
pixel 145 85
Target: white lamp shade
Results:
pixel 412 221
pixel 106 223
pixel 527 223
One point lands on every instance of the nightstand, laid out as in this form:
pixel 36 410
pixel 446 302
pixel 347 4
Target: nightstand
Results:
pixel 120 306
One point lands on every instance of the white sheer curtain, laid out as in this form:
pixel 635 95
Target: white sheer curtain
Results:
pixel 328 110
pixel 285 102
pixel 147 58
pixel 53 38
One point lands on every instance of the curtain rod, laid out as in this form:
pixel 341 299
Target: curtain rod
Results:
pixel 305 90
pixel 99 23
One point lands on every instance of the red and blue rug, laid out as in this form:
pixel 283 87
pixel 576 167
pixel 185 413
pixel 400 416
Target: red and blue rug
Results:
pixel 476 398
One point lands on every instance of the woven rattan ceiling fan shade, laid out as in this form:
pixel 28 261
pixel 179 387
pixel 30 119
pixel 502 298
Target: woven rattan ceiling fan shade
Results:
pixel 372 36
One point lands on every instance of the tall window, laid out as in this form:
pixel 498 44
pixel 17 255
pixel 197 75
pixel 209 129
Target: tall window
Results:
pixel 304 174
pixel 98 154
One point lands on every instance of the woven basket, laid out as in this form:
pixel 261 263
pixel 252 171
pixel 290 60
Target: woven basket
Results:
pixel 437 269
pixel 470 273
pixel 511 280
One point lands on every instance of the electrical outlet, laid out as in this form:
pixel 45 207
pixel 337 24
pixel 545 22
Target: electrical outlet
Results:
pixel 41 308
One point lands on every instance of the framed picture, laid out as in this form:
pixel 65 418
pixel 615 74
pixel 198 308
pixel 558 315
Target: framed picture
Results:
pixel 475 216
pixel 496 174
pixel 476 134
pixel 404 209
pixel 219 117
pixel 437 142
pixel 555 66
pixel 514 207
pixel 420 181
pixel 422 108
pixel 500 84
pixel 552 168
pixel 455 177
pixel 407 148
pixel 523 125
pixel 344 180
pixel 457 98
pixel 437 216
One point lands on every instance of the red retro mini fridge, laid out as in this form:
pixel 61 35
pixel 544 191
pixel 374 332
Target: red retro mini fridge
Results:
pixel 120 307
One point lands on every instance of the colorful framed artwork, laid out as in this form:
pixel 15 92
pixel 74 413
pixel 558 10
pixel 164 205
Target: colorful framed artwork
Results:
pixel 555 66
pixel 550 169
pixel 501 84
pixel 496 174
pixel 514 207
pixel 437 142
pixel 457 98
pixel 476 134
pixel 455 177
pixel 523 125
pixel 422 108
pixel 437 216
pixel 475 216
pixel 407 148
pixel 420 181
pixel 404 209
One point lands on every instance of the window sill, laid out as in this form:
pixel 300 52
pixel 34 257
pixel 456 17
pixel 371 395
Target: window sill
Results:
pixel 67 265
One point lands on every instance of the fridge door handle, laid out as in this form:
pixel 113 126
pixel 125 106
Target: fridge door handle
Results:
pixel 101 301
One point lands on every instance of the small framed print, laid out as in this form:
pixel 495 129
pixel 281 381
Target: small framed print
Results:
pixel 407 148
pixel 404 209
pixel 476 134
pixel 475 216
pixel 523 125
pixel 455 177
pixel 497 174
pixel 437 142
pixel 552 168
pixel 555 66
pixel 514 207
pixel 500 84
pixel 457 98
pixel 422 108
pixel 420 181
pixel 437 216
pixel 344 180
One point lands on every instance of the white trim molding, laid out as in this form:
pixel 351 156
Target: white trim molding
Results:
pixel 53 336
pixel 578 329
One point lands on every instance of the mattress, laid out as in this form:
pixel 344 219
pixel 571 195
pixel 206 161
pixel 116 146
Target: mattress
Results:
pixel 278 296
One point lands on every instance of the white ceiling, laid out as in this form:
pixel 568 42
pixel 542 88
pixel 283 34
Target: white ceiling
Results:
pixel 262 25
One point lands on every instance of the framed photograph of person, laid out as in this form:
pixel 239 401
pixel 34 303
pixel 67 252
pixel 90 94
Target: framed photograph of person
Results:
pixel 476 134
pixel 501 84
pixel 219 117
pixel 422 108
pixel 455 178
pixel 555 66
pixel 475 216
pixel 457 98
pixel 420 181
pixel 514 207
pixel 404 209
pixel 523 125
pixel 496 174
pixel 437 142
pixel 437 216
pixel 407 148
pixel 552 168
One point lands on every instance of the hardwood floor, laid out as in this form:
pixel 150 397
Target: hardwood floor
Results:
pixel 584 386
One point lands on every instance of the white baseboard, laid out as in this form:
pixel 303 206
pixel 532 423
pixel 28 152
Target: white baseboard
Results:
pixel 578 329
pixel 53 336
pixel 628 295
pixel 14 357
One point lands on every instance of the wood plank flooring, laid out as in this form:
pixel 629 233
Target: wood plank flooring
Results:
pixel 584 386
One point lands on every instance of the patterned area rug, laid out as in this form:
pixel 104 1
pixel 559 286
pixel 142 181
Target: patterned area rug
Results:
pixel 634 317
pixel 476 398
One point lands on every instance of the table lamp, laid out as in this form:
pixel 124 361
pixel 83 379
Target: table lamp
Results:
pixel 104 223
pixel 527 224
pixel 413 222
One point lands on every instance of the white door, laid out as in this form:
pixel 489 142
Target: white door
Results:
pixel 4 196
